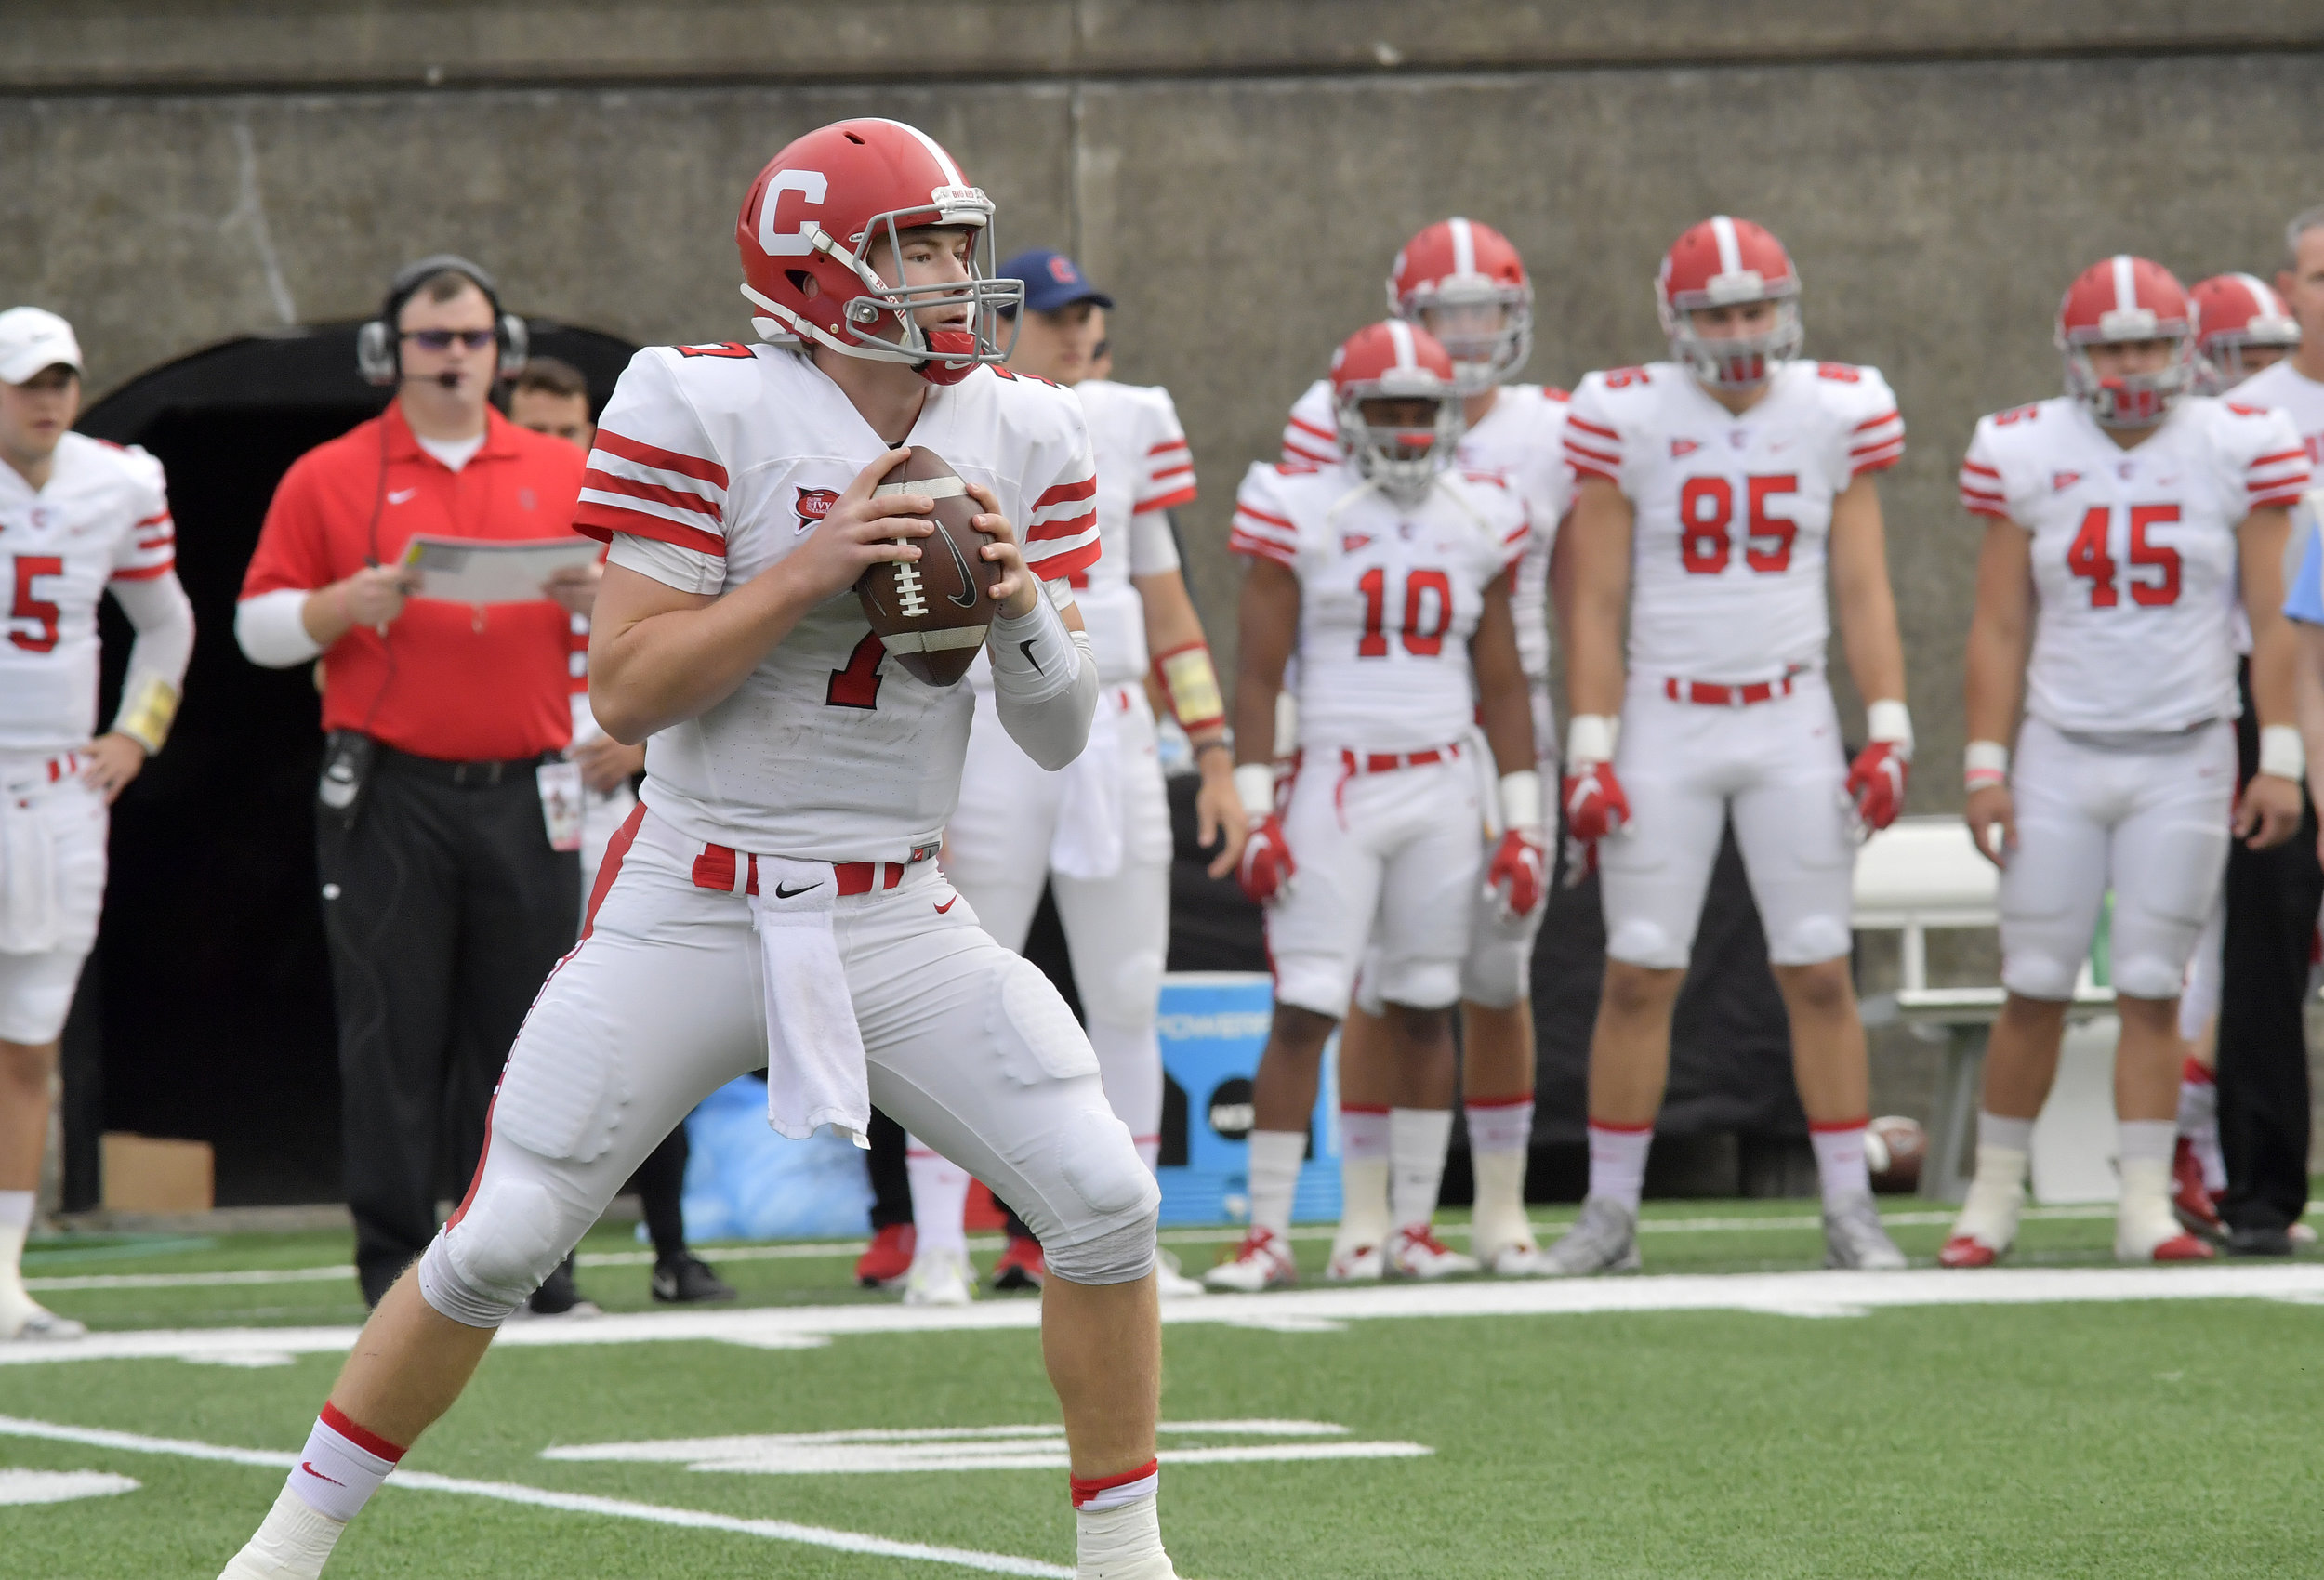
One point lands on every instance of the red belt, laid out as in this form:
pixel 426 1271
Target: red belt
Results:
pixel 1388 762
pixel 1705 694
pixel 64 767
pixel 718 866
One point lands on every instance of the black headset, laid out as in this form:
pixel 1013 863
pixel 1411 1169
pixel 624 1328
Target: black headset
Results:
pixel 379 347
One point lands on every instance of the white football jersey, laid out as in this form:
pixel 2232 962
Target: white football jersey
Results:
pixel 2285 388
pixel 733 455
pixel 1520 442
pixel 1732 514
pixel 104 517
pixel 1388 597
pixel 2135 558
pixel 1144 466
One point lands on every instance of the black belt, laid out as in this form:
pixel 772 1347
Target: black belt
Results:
pixel 465 775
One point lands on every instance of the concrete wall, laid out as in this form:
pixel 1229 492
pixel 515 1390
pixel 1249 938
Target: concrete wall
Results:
pixel 1238 174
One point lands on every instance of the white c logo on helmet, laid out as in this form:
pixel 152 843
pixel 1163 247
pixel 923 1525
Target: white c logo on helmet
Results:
pixel 809 184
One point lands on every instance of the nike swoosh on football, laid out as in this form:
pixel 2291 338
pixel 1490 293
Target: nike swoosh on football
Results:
pixel 966 597
pixel 398 495
pixel 948 905
pixel 783 894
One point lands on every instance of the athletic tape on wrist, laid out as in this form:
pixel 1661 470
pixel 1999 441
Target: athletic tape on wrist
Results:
pixel 1191 683
pixel 2283 752
pixel 1985 763
pixel 1891 721
pixel 1521 802
pixel 1255 787
pixel 1590 739
pixel 149 705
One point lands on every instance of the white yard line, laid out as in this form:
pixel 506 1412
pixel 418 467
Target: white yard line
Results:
pixel 824 1250
pixel 1318 1311
pixel 571 1503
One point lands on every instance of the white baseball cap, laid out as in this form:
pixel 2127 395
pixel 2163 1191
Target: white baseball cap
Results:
pixel 34 339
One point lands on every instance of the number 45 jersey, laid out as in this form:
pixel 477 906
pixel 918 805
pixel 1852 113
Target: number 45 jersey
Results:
pixel 1388 597
pixel 2135 552
pixel 714 463
pixel 1732 514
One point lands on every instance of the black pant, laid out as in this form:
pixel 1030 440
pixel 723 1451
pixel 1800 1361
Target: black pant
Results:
pixel 2263 1059
pixel 445 910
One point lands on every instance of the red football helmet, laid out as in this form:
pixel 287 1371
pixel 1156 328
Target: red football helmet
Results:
pixel 1721 263
pixel 1469 278
pixel 2236 313
pixel 807 230
pixel 2126 298
pixel 1397 360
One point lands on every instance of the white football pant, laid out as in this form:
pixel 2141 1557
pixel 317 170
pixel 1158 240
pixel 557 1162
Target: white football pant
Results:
pixel 968 1044
pixel 52 890
pixel 2147 816
pixel 1020 827
pixel 1775 768
pixel 1390 860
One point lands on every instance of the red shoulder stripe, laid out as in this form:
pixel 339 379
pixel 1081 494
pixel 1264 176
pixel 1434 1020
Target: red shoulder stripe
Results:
pixel 663 460
pixel 1065 493
pixel 600 520
pixel 677 499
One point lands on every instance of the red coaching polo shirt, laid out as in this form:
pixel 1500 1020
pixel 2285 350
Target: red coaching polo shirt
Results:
pixel 450 681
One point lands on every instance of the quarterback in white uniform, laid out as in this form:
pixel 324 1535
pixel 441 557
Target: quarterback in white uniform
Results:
pixel 1718 493
pixel 2120 520
pixel 1098 834
pixel 1462 282
pixel 78 519
pixel 1388 576
pixel 774 899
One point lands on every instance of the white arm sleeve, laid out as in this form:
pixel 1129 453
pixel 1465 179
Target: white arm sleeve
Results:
pixel 268 627
pixel 1045 684
pixel 162 617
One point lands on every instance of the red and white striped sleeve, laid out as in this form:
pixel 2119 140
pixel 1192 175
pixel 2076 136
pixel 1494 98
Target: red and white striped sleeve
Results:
pixel 1982 490
pixel 1310 435
pixel 654 472
pixel 1593 446
pixel 150 547
pixel 1061 532
pixel 1876 433
pixel 1167 479
pixel 2278 475
pixel 1263 528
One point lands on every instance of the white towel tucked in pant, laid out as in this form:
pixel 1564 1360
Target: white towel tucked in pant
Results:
pixel 815 1061
pixel 31 920
pixel 1087 841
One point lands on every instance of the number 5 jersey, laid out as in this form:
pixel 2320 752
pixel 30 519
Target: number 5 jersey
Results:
pixel 2135 552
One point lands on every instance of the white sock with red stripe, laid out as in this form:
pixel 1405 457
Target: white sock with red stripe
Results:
pixel 2199 1121
pixel 338 1471
pixel 1117 1526
pixel 1273 1165
pixel 1363 1175
pixel 1416 1140
pixel 1499 1131
pixel 940 1200
pixel 1618 1161
pixel 1840 1163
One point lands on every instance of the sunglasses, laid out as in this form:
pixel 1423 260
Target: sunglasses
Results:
pixel 441 339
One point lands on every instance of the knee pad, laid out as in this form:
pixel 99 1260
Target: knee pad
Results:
pixel 2032 973
pixel 1314 982
pixel 1495 972
pixel 1641 942
pixel 481 1269
pixel 1811 939
pixel 1115 1201
pixel 1421 985
pixel 2148 975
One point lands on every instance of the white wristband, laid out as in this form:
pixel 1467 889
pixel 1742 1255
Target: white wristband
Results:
pixel 1520 801
pixel 1890 720
pixel 1985 762
pixel 1590 739
pixel 1255 787
pixel 2282 752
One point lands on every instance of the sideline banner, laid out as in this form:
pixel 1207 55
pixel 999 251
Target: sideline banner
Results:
pixel 1213 1026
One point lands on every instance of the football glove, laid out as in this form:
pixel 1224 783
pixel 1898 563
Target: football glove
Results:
pixel 1267 869
pixel 1595 805
pixel 1876 783
pixel 1517 872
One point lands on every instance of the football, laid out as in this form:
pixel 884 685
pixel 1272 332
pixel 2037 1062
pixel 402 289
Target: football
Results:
pixel 931 614
pixel 1895 1148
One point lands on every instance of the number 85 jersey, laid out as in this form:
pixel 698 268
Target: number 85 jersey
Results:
pixel 2135 552
pixel 1388 596
pixel 1732 513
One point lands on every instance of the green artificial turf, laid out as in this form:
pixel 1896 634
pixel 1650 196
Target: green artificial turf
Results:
pixel 2166 1438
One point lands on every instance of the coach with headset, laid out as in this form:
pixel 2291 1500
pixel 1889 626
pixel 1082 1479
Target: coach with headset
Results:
pixel 447 820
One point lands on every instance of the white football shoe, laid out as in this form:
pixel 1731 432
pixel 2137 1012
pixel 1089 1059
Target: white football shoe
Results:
pixel 30 1323
pixel 1511 1258
pixel 940 1278
pixel 1854 1238
pixel 1364 1263
pixel 1603 1239
pixel 1416 1253
pixel 1170 1281
pixel 1261 1261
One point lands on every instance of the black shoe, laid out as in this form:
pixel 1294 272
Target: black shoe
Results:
pixel 557 1297
pixel 686 1278
pixel 2259 1241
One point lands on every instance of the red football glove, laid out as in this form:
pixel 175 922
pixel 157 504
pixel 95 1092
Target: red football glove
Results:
pixel 1518 873
pixel 1267 869
pixel 1876 783
pixel 1595 805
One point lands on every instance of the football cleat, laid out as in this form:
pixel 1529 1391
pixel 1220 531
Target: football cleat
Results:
pixel 1362 1262
pixel 2190 1202
pixel 38 1324
pixel 2301 1234
pixel 560 1296
pixel 1854 1238
pixel 1511 1258
pixel 1170 1281
pixel 940 1278
pixel 1987 1225
pixel 686 1279
pixel 1022 1265
pixel 888 1259
pixel 1967 1251
pixel 1603 1239
pixel 1261 1261
pixel 1416 1253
